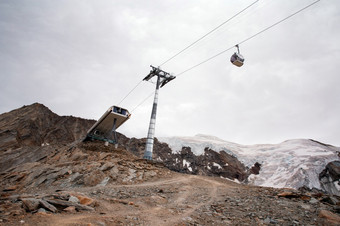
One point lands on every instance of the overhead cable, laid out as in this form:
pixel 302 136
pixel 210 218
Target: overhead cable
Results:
pixel 247 39
pixel 207 34
pixel 130 92
pixel 205 61
pixel 142 102
pixel 273 25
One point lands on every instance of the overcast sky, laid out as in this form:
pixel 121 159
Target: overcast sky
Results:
pixel 79 57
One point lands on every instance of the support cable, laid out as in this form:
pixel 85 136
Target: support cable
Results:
pixel 130 92
pixel 189 69
pixel 273 25
pixel 247 39
pixel 207 34
pixel 142 102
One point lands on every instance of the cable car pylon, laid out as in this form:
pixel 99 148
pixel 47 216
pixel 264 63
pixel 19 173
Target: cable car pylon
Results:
pixel 162 79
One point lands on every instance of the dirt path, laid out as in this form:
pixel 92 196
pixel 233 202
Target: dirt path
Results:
pixel 165 202
pixel 184 200
pixel 192 193
pixel 196 193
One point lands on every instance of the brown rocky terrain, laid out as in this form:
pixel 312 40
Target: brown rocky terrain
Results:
pixel 49 177
pixel 36 126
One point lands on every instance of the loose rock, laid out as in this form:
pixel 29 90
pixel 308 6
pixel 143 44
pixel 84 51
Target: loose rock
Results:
pixel 73 199
pixel 30 204
pixel 85 200
pixel 70 209
pixel 329 217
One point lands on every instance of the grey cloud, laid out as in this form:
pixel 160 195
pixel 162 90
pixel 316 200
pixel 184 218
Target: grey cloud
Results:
pixel 80 57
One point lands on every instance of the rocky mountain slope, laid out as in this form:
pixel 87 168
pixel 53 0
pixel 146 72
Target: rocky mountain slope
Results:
pixel 35 126
pixel 49 177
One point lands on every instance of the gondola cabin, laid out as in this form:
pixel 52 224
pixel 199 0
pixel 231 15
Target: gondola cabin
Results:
pixel 237 59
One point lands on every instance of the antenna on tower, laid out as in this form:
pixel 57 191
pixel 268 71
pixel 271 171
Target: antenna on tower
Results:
pixel 162 79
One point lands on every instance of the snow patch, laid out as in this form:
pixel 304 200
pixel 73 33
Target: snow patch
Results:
pixel 235 180
pixel 217 165
pixel 187 165
pixel 336 185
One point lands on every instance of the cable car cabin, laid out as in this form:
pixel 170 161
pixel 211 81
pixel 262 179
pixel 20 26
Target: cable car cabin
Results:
pixel 237 59
pixel 105 128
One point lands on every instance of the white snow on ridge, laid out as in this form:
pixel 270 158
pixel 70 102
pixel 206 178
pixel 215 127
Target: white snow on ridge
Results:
pixel 217 165
pixel 187 165
pixel 293 163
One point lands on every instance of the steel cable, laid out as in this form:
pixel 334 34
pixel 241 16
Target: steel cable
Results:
pixel 130 92
pixel 208 33
pixel 247 39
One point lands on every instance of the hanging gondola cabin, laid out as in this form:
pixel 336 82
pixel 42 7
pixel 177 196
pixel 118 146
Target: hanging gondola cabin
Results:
pixel 237 59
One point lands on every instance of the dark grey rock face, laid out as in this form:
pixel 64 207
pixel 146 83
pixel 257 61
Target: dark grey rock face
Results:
pixel 330 178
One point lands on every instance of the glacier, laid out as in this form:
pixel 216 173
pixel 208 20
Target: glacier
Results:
pixel 290 164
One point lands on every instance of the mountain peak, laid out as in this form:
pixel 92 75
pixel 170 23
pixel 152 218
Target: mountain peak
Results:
pixel 27 110
pixel 36 107
pixel 36 124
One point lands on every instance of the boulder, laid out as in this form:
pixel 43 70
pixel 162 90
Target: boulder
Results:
pixel 41 210
pixel 330 200
pixel 288 194
pixel 330 178
pixel 48 206
pixel 334 170
pixel 107 166
pixel 255 169
pixel 93 178
pixel 30 204
pixel 83 200
pixel 73 199
pixel 11 188
pixel 64 204
pixel 70 209
pixel 329 218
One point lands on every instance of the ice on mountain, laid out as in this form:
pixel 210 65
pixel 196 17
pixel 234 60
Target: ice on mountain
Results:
pixel 292 163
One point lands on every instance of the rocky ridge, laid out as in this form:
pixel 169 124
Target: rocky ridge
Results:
pixel 36 126
pixel 211 163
